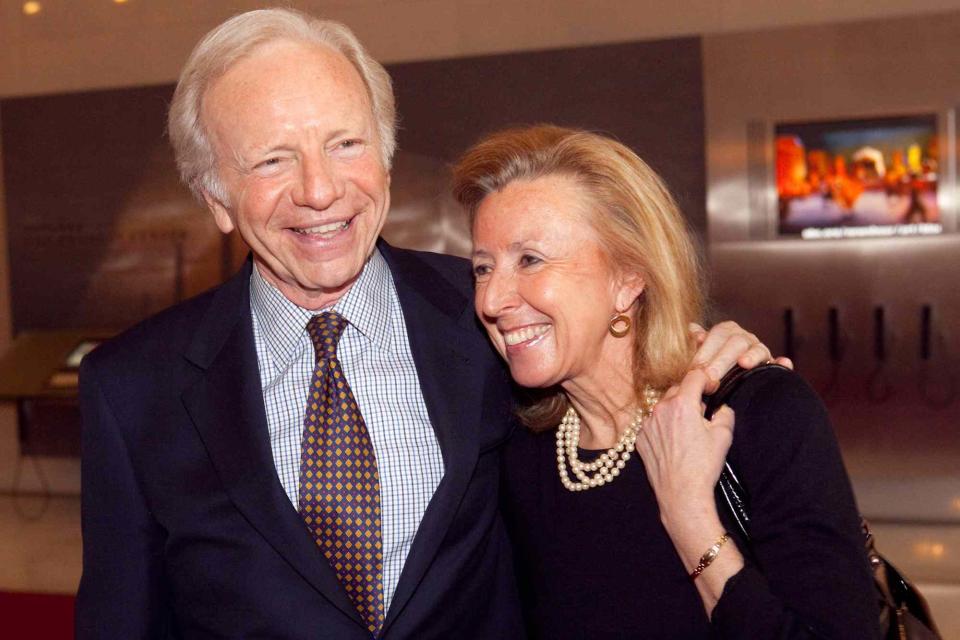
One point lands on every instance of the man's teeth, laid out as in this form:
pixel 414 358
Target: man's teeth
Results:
pixel 325 228
pixel 524 334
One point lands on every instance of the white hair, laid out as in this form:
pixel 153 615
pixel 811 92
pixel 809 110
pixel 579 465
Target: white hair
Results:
pixel 236 39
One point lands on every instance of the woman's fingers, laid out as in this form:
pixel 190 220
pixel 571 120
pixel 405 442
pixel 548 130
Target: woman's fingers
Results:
pixel 670 393
pixel 698 332
pixel 728 344
pixel 722 347
pixel 783 361
pixel 722 425
pixel 693 386
pixel 756 354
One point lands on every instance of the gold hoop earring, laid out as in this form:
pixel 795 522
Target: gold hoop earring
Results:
pixel 620 319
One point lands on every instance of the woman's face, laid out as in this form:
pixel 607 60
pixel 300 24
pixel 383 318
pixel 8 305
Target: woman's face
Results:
pixel 544 290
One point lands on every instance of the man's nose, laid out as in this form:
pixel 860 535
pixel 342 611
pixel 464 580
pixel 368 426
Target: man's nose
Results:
pixel 319 185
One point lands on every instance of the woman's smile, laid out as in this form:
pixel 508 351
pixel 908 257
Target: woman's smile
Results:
pixel 524 336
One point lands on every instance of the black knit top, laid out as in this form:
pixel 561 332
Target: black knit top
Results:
pixel 599 564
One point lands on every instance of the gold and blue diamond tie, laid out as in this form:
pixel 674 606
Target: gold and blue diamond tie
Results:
pixel 339 496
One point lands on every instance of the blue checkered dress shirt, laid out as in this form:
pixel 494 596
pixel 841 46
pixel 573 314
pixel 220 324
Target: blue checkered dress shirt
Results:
pixel 376 358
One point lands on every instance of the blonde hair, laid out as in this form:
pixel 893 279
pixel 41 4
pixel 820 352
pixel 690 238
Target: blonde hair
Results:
pixel 640 229
pixel 236 39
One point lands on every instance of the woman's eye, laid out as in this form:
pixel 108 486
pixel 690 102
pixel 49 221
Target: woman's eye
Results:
pixel 527 260
pixel 480 270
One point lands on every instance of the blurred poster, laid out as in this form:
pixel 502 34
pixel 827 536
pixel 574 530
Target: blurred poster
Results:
pixel 100 232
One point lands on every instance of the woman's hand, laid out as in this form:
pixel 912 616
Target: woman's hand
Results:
pixel 682 451
pixel 683 454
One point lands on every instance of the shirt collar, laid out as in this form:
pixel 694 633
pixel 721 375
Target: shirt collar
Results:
pixel 366 305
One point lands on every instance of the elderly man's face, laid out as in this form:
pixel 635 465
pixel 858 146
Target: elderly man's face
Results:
pixel 299 158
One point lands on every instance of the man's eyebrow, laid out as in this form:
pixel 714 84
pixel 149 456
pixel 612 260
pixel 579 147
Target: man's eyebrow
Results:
pixel 263 149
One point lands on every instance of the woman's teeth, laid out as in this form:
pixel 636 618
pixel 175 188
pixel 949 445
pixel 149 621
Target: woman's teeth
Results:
pixel 524 334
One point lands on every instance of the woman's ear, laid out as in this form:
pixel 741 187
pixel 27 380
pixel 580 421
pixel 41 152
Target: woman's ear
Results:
pixel 629 288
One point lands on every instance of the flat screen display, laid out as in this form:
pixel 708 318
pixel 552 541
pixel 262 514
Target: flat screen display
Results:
pixel 858 178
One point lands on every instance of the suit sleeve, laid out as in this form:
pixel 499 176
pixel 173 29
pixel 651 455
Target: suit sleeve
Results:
pixel 121 592
pixel 806 573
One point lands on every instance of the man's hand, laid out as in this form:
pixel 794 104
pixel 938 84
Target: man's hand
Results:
pixel 725 345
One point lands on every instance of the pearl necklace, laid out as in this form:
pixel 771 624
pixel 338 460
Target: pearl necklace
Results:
pixel 609 464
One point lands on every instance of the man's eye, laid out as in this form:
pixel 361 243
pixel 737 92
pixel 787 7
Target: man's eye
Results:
pixel 350 148
pixel 268 163
pixel 527 260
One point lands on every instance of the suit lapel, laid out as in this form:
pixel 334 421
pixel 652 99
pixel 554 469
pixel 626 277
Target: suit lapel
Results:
pixel 226 406
pixel 452 389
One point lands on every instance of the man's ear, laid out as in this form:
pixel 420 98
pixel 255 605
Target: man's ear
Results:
pixel 629 288
pixel 221 214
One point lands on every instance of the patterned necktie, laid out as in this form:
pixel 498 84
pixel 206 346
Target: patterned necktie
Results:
pixel 339 496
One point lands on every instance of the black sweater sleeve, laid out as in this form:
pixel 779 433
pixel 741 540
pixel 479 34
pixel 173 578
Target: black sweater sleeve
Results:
pixel 807 575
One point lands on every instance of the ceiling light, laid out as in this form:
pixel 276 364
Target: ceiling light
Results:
pixel 31 8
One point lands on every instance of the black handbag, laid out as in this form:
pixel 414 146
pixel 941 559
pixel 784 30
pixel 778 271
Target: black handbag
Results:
pixel 904 613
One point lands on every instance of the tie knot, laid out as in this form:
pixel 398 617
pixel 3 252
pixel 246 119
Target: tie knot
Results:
pixel 325 331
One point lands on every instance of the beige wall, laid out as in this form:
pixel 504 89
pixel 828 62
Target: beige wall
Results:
pixel 84 44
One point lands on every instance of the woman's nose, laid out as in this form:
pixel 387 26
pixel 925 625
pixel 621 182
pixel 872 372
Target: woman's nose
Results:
pixel 498 294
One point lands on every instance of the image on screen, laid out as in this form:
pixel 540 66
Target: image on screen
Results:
pixel 858 178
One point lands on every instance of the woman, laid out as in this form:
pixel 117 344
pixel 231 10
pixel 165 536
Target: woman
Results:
pixel 586 280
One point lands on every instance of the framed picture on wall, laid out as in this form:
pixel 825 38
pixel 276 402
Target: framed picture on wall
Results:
pixel 887 176
pixel 842 178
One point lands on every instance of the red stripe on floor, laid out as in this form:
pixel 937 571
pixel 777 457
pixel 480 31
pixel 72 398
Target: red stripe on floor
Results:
pixel 36 616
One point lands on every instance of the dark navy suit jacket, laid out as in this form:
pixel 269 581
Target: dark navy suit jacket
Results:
pixel 187 530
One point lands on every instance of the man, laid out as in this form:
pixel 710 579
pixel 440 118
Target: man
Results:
pixel 312 448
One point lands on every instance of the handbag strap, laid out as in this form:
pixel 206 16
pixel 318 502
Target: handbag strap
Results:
pixel 729 485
